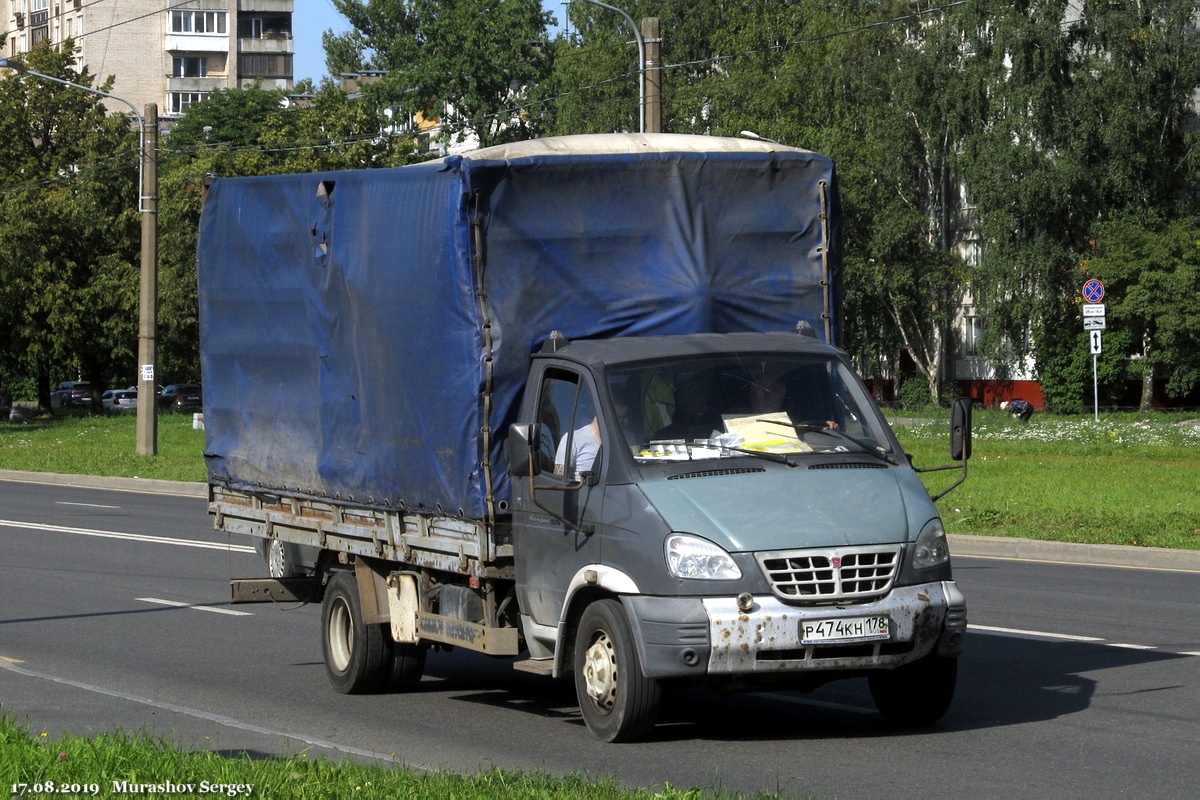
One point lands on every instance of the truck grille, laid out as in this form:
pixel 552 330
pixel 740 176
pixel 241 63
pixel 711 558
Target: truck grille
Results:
pixel 850 574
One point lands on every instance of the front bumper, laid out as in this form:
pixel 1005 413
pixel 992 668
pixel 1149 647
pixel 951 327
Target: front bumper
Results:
pixel 693 637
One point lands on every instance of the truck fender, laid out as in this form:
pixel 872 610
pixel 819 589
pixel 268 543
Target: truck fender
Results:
pixel 587 584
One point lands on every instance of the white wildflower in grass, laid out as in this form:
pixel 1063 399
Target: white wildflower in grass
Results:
pixel 1088 431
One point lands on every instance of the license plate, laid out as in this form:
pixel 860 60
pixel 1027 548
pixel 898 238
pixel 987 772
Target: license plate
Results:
pixel 853 629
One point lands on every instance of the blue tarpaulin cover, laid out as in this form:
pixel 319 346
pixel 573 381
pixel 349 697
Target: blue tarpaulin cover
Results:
pixel 353 347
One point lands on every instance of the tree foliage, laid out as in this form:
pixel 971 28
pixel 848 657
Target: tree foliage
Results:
pixel 68 228
pixel 469 64
pixel 1005 150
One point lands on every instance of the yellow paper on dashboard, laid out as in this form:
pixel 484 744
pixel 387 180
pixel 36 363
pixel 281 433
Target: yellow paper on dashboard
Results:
pixel 766 433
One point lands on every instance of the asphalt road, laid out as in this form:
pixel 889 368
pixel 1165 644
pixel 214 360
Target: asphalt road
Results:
pixel 1078 681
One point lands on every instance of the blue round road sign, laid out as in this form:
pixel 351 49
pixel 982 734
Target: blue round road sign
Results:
pixel 1093 291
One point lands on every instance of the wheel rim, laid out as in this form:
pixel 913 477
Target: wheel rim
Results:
pixel 341 636
pixel 600 672
pixel 275 563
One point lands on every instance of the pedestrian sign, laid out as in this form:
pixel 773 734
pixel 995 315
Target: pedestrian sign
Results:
pixel 1095 339
pixel 1093 291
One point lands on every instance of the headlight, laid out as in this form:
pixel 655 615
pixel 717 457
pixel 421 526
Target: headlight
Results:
pixel 699 559
pixel 931 549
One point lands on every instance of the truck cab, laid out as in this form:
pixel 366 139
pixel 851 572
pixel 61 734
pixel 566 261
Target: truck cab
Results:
pixel 741 514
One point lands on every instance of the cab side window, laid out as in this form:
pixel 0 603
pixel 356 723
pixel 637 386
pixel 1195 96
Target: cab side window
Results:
pixel 569 428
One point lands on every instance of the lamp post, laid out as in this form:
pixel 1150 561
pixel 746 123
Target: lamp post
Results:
pixel 641 43
pixel 147 418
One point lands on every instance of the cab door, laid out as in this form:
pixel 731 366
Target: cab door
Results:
pixel 556 512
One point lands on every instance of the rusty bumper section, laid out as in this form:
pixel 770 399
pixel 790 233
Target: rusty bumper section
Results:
pixel 695 637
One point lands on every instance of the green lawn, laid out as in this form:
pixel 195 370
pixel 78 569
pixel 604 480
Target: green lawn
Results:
pixel 1128 480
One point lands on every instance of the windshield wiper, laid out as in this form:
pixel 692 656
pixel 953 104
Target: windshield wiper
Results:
pixel 867 447
pixel 778 458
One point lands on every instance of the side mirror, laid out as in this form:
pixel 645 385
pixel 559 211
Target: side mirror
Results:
pixel 960 429
pixel 522 444
pixel 592 476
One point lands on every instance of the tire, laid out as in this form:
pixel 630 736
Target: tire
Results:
pixel 915 694
pixel 408 665
pixel 280 563
pixel 618 702
pixel 358 656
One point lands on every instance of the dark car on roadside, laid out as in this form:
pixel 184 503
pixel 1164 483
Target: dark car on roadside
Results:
pixel 181 397
pixel 71 394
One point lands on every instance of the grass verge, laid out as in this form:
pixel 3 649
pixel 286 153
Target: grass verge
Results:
pixel 119 765
pixel 1127 479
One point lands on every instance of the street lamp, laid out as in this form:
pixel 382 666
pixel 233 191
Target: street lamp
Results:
pixel 147 419
pixel 757 138
pixel 641 43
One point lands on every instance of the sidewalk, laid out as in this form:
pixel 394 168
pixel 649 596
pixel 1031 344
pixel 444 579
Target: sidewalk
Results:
pixel 1109 555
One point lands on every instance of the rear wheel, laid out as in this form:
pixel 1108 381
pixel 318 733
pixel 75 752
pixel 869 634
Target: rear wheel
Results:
pixel 918 693
pixel 358 656
pixel 408 665
pixel 618 702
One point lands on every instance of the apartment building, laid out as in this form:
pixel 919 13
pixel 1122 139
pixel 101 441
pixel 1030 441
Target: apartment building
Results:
pixel 169 52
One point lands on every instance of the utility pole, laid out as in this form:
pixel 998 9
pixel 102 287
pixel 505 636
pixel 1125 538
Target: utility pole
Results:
pixel 147 410
pixel 652 74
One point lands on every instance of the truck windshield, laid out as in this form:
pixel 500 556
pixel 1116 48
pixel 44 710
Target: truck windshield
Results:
pixel 715 406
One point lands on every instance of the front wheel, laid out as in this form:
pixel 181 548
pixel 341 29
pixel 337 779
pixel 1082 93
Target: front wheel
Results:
pixel 618 702
pixel 915 694
pixel 358 656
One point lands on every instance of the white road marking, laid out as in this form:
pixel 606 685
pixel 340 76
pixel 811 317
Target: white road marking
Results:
pixel 1132 646
pixel 1017 633
pixel 85 505
pixel 132 537
pixel 177 604
pixel 1023 634
pixel 220 719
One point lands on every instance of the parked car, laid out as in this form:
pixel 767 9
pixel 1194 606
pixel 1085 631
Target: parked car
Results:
pixel 119 401
pixel 181 397
pixel 71 393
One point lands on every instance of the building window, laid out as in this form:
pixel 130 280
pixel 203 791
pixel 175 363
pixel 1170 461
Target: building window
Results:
pixel 39 22
pixel 180 102
pixel 190 67
pixel 199 21
pixel 256 28
pixel 266 65
pixel 972 331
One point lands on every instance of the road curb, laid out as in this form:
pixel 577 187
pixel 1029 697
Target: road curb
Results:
pixel 181 488
pixel 1106 555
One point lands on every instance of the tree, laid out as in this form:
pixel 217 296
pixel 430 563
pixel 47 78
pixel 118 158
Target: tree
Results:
pixel 1081 119
pixel 69 227
pixel 442 63
pixel 1151 272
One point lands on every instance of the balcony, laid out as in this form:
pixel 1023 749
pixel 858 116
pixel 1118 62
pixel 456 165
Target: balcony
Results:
pixel 197 43
pixel 209 84
pixel 266 6
pixel 271 42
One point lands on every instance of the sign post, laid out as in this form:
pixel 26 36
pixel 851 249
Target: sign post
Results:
pixel 1093 323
